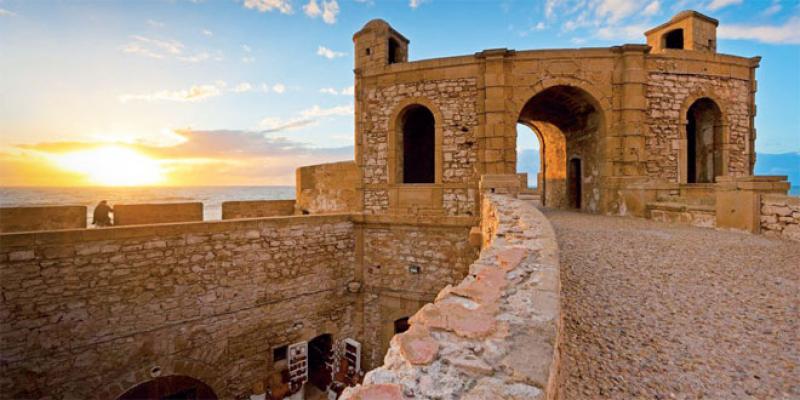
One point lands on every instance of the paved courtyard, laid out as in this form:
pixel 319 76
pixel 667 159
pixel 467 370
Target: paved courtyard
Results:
pixel 666 311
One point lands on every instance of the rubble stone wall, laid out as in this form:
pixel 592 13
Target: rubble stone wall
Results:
pixel 327 188
pixel 45 218
pixel 393 288
pixel 780 216
pixel 90 313
pixel 668 95
pixel 495 334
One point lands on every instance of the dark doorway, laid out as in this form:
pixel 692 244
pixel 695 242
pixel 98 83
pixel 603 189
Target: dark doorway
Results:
pixel 574 183
pixel 419 145
pixel 674 39
pixel 401 325
pixel 703 142
pixel 174 387
pixel 319 355
pixel 393 51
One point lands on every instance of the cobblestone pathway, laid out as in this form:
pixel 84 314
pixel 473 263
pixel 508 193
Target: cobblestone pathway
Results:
pixel 663 311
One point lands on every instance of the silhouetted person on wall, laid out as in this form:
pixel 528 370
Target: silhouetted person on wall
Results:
pixel 102 215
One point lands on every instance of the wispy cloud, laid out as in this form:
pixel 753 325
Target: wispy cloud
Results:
pixel 243 87
pixel 6 13
pixel 276 124
pixel 196 93
pixel 415 3
pixel 207 32
pixel 155 24
pixel 715 5
pixel 279 88
pixel 788 33
pixel 305 118
pixel 328 11
pixel 348 91
pixel 328 53
pixel 318 112
pixel 165 48
pixel 283 6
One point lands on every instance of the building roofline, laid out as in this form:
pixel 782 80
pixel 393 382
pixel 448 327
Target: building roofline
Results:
pixel 681 16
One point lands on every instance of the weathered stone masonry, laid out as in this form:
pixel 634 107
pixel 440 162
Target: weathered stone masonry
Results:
pixel 89 313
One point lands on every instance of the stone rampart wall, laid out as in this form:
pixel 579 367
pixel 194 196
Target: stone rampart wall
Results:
pixel 257 209
pixel 140 214
pixel 91 313
pixel 22 219
pixel 780 216
pixel 327 188
pixel 494 335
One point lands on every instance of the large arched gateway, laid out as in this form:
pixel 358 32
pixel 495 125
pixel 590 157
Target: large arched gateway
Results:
pixel 173 387
pixel 568 123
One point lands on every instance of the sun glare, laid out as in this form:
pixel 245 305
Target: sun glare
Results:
pixel 113 166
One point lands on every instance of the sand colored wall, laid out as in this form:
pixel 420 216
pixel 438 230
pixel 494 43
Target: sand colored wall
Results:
pixel 88 313
pixel 20 219
pixel 326 188
pixel 139 214
pixel 257 209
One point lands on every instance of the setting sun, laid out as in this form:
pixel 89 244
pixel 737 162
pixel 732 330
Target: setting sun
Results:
pixel 113 166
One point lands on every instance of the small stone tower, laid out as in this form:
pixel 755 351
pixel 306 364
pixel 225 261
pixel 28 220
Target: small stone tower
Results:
pixel 687 30
pixel 378 45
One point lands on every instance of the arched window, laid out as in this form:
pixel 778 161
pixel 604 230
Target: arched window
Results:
pixel 394 56
pixel 703 141
pixel 673 39
pixel 418 156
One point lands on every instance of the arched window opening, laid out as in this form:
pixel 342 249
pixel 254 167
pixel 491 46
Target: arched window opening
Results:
pixel 703 142
pixel 673 39
pixel 319 354
pixel 401 325
pixel 419 145
pixel 529 155
pixel 394 56
pixel 173 387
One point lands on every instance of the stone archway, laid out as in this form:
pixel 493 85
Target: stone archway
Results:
pixel 569 122
pixel 172 387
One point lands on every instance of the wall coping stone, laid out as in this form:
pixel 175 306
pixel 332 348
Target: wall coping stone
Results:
pixel 494 335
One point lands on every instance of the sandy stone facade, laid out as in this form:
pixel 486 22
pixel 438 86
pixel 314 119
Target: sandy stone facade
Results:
pixel 780 216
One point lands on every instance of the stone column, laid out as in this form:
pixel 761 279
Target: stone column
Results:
pixel 497 144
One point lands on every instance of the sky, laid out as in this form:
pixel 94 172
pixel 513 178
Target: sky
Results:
pixel 241 92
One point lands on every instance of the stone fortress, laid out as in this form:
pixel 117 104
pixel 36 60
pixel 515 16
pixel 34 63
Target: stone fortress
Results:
pixel 429 232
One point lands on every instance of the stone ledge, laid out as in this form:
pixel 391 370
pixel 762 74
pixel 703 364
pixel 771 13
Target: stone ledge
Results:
pixel 494 335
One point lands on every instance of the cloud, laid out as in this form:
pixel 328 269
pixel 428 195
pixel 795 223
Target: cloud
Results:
pixel 269 5
pixel 312 9
pixel 317 112
pixel 275 124
pixel 348 91
pixel 330 9
pixel 615 10
pixel 155 24
pixel 248 59
pixel 202 157
pixel 415 3
pixel 196 93
pixel 788 33
pixel 247 49
pixel 6 13
pixel 279 88
pixel 207 32
pixel 652 9
pixel 328 53
pixel 161 49
pixel 243 87
pixel 626 32
pixel 717 4
pixel 773 9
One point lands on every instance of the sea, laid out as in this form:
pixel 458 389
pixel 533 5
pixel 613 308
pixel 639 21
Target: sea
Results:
pixel 211 196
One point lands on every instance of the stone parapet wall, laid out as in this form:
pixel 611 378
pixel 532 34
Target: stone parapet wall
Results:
pixel 494 335
pixel 140 214
pixel 780 216
pixel 327 188
pixel 91 313
pixel 45 218
pixel 257 209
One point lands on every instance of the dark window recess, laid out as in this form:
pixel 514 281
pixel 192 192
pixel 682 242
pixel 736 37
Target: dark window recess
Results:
pixel 394 57
pixel 401 325
pixel 279 353
pixel 369 51
pixel 419 146
pixel 674 39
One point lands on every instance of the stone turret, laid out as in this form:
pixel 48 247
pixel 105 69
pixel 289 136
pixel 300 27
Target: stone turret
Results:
pixel 377 44
pixel 687 30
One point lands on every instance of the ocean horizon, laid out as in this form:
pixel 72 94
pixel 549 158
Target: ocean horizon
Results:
pixel 212 197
